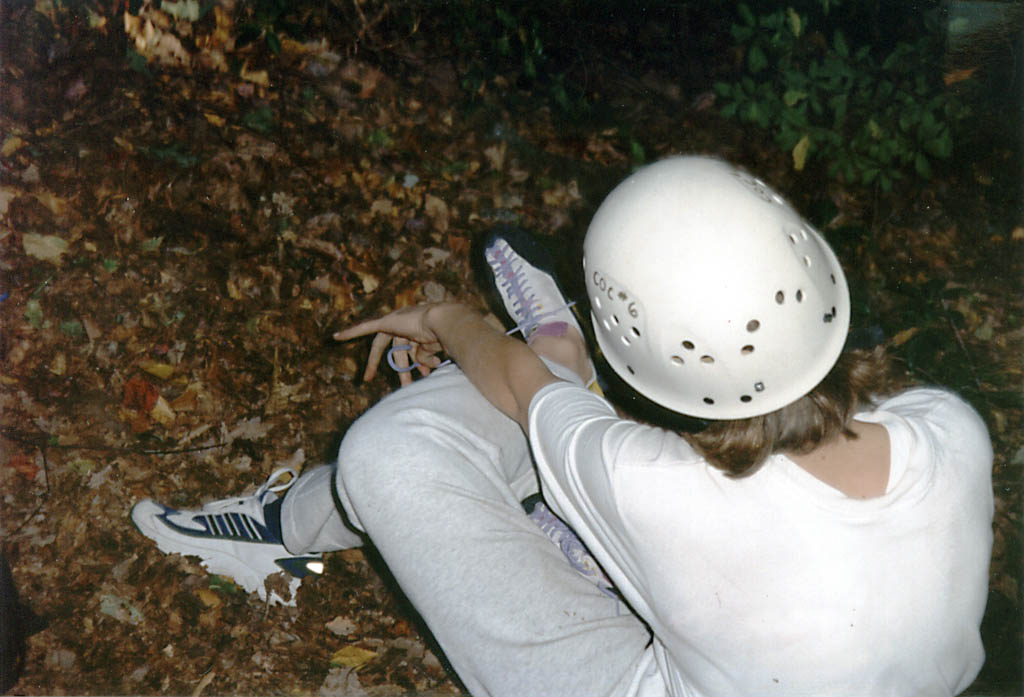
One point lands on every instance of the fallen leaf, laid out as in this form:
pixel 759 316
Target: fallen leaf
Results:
pixel 259 77
pixel 45 247
pixel 52 201
pixel 209 598
pixel 342 626
pixel 496 155
pixel 156 369
pixel 437 210
pixel 352 657
pixel 11 145
pixel 162 412
pixel 120 609
pixel 904 336
pixel 140 394
pixel 24 465
pixel 6 196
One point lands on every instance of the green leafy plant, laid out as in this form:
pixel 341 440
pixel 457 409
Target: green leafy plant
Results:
pixel 266 19
pixel 511 42
pixel 873 112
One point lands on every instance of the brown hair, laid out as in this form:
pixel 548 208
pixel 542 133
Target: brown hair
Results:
pixel 740 446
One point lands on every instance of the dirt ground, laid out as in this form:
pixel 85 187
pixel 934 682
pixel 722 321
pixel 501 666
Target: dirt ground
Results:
pixel 179 240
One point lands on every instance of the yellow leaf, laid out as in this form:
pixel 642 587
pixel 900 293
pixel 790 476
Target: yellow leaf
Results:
pixel 955 76
pixel 160 370
pixel 11 145
pixel 162 412
pixel 904 336
pixel 208 597
pixel 352 657
pixel 213 119
pixel 260 77
pixel 46 247
pixel 52 201
pixel 794 21
pixel 800 153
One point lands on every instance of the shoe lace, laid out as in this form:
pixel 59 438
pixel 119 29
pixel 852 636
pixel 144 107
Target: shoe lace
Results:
pixel 272 485
pixel 524 300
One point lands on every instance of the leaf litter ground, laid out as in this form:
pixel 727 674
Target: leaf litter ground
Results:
pixel 178 247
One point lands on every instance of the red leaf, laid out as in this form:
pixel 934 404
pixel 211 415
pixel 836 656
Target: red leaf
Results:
pixel 140 394
pixel 24 465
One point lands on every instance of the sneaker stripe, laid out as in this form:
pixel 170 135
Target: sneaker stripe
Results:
pixel 251 529
pixel 240 523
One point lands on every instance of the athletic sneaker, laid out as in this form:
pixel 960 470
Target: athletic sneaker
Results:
pixel 576 553
pixel 233 537
pixel 521 277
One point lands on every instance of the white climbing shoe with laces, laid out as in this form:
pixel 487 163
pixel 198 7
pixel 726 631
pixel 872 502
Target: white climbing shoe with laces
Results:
pixel 523 278
pixel 231 538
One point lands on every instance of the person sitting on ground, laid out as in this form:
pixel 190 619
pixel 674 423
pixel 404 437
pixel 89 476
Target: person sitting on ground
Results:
pixel 818 529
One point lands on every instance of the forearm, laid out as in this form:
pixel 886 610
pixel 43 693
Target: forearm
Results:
pixel 505 371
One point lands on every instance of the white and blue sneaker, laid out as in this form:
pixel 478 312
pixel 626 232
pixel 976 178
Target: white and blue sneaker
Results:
pixel 520 274
pixel 233 537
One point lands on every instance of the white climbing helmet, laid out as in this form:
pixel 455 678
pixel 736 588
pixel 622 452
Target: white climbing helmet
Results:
pixel 709 294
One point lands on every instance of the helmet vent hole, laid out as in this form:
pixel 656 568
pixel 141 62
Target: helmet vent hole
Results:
pixel 803 232
pixel 708 400
pixel 677 360
pixel 758 387
pixel 746 398
pixel 635 331
pixel 688 345
pixel 630 369
pixel 799 296
pixel 833 277
pixel 807 261
pixel 793 238
pixel 597 302
pixel 747 350
pixel 780 297
pixel 753 325
pixel 707 359
pixel 625 340
pixel 607 325
pixel 615 320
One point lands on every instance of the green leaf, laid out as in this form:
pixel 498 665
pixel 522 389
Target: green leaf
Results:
pixel 922 166
pixel 260 119
pixel 725 89
pixel 746 15
pixel 151 244
pixel 839 43
pixel 72 328
pixel 636 150
pixel 273 42
pixel 741 33
pixel 34 313
pixel 756 60
pixel 110 265
pixel 792 97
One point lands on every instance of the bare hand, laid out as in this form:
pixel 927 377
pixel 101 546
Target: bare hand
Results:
pixel 402 327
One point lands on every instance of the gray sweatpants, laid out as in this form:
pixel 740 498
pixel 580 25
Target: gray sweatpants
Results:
pixel 434 475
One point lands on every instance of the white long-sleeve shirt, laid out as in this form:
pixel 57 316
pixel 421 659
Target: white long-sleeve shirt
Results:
pixel 776 583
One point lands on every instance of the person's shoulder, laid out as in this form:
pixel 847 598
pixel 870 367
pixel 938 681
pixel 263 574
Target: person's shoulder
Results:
pixel 943 413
